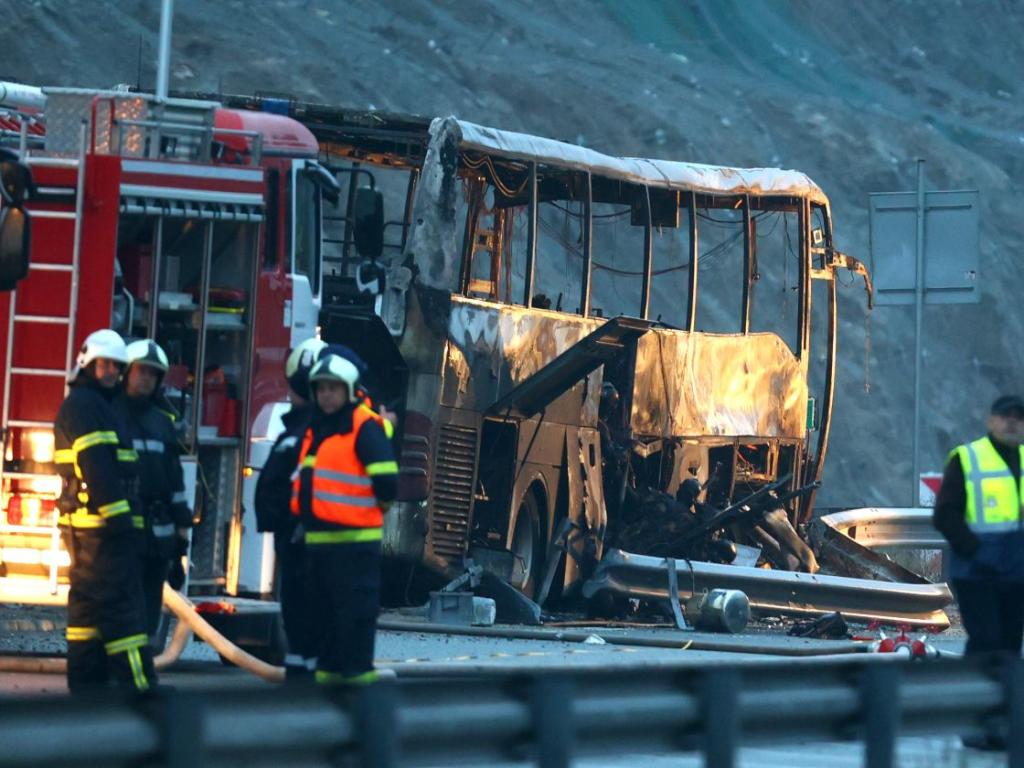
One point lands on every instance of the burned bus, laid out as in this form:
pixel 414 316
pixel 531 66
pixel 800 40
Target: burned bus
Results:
pixel 567 335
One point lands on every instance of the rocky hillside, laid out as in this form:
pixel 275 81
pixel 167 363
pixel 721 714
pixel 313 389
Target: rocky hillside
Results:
pixel 850 93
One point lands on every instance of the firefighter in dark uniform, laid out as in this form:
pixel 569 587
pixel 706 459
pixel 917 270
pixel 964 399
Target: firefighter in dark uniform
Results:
pixel 161 482
pixel 273 513
pixel 347 477
pixel 106 627
pixel 978 511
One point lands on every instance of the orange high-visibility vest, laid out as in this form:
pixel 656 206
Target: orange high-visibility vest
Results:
pixel 387 426
pixel 342 488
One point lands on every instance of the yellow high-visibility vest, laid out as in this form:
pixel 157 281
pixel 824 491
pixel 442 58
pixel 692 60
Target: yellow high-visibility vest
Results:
pixel 993 496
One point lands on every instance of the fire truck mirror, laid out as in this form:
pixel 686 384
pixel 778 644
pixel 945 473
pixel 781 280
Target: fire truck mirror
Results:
pixel 15 179
pixel 15 233
pixel 368 213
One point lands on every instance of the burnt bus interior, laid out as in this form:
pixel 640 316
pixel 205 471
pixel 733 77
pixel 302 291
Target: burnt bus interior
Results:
pixel 570 241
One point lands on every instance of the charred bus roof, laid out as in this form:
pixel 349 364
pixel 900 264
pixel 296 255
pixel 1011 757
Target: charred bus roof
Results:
pixel 709 180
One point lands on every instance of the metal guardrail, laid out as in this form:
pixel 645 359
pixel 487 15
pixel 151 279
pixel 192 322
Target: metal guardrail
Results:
pixel 891 527
pixel 547 719
pixel 775 591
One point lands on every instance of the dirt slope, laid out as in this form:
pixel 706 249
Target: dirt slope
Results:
pixel 847 92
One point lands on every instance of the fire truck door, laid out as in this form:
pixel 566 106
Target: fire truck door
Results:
pixel 307 180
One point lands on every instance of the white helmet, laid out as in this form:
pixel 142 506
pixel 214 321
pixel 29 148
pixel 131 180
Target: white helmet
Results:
pixel 300 362
pixel 104 343
pixel 335 368
pixel 147 352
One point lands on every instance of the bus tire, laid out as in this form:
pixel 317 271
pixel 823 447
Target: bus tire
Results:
pixel 527 546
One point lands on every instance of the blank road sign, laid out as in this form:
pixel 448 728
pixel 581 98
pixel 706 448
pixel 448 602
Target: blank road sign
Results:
pixel 950 247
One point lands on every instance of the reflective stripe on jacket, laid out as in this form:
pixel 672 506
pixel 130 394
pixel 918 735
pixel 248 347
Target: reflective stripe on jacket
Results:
pixel 94 459
pixel 342 488
pixel 388 427
pixel 993 495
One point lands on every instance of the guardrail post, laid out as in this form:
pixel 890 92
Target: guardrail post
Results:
pixel 375 713
pixel 554 728
pixel 880 713
pixel 180 720
pixel 721 717
pixel 1015 713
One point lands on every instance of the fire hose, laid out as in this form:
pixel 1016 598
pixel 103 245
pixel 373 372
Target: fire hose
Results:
pixel 181 607
pixel 189 622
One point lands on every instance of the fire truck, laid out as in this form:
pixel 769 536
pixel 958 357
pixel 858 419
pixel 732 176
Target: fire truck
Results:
pixel 174 219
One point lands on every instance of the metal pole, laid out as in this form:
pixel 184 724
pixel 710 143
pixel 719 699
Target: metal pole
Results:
pixel 722 721
pixel 749 244
pixel 154 296
pixel 918 317
pixel 531 237
pixel 588 202
pixel 204 307
pixel 645 290
pixel 691 300
pixel 163 62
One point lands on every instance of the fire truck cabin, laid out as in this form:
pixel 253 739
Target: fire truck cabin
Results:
pixel 177 220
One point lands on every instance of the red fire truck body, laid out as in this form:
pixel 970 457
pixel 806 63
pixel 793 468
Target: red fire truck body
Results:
pixel 176 220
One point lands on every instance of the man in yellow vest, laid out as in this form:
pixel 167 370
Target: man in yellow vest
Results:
pixel 978 511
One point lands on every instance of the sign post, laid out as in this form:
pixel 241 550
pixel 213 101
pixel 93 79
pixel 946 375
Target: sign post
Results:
pixel 930 482
pixel 942 228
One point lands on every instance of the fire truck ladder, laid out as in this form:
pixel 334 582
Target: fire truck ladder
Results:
pixel 16 319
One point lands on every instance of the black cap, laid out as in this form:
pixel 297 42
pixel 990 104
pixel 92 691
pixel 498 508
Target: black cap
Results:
pixel 1009 405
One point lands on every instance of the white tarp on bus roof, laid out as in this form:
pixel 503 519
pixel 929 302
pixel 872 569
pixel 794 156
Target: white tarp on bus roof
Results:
pixel 710 179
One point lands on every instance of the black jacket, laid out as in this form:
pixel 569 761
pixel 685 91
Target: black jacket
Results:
pixel 274 485
pixel 161 482
pixel 94 457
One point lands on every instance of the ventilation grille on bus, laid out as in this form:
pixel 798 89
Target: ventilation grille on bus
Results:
pixel 452 490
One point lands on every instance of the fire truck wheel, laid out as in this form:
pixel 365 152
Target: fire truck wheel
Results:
pixel 526 544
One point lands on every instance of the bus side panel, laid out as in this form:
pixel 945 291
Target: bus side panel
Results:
pixel 723 385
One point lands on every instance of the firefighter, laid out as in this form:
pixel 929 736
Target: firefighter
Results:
pixel 162 501
pixel 978 511
pixel 273 513
pixel 347 477
pixel 106 625
pixel 387 418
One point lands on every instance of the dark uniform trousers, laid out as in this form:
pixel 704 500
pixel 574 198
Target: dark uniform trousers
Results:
pixel 346 584
pixel 101 607
pixel 992 614
pixel 154 574
pixel 297 610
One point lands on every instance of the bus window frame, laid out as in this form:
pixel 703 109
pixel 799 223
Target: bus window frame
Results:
pixel 479 182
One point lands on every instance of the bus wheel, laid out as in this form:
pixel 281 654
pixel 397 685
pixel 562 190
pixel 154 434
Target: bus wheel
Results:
pixel 526 545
